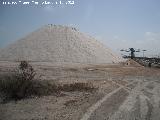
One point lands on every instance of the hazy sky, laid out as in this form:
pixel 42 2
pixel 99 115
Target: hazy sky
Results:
pixel 117 23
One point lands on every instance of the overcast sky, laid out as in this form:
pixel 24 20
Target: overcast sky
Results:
pixel 119 24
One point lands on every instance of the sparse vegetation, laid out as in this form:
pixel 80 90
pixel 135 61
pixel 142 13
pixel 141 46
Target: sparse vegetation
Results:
pixel 22 84
pixel 78 86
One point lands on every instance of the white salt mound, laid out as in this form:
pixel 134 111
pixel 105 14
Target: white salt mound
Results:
pixel 59 44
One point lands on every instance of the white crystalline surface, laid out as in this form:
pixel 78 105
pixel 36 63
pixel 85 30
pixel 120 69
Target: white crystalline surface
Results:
pixel 59 44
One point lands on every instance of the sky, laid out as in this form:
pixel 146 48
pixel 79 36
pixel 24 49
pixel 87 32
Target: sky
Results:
pixel 119 24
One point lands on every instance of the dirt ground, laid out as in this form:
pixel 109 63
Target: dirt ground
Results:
pixel 125 92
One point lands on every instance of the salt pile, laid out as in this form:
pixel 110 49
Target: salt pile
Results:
pixel 59 44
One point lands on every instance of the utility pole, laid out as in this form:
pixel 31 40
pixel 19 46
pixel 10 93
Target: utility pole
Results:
pixel 143 52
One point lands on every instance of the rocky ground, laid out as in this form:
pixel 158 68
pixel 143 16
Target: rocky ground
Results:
pixel 125 92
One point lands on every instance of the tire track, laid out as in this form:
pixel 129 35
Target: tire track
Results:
pixel 94 107
pixel 98 104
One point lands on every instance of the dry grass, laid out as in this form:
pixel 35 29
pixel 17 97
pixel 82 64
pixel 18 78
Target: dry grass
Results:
pixel 79 86
pixel 22 84
pixel 70 102
pixel 13 88
pixel 16 89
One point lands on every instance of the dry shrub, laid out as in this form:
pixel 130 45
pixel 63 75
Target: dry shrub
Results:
pixel 17 85
pixel 22 84
pixel 44 88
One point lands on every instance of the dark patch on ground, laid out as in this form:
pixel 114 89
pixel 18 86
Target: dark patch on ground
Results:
pixel 148 94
